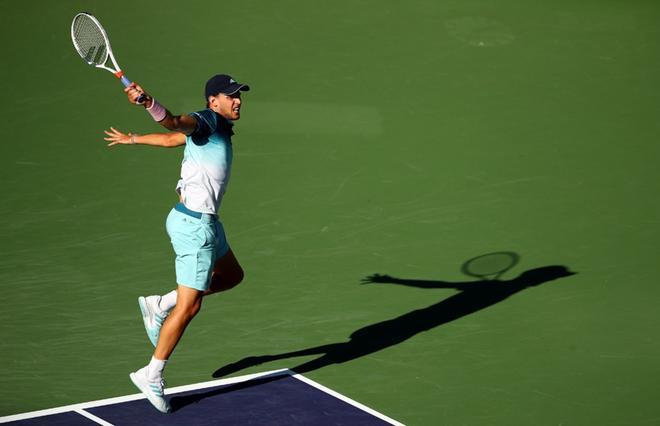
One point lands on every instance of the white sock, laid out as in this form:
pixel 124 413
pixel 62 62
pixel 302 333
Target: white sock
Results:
pixel 168 301
pixel 155 369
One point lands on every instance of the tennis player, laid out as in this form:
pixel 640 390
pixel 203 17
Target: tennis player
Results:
pixel 205 264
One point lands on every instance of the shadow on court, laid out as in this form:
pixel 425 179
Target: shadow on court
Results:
pixel 178 402
pixel 473 296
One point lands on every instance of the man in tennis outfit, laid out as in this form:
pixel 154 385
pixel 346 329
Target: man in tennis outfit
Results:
pixel 204 263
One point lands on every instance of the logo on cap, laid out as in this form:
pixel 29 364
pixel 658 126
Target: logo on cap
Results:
pixel 231 81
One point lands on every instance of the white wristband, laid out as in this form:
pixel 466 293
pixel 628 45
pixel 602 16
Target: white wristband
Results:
pixel 157 111
pixel 133 135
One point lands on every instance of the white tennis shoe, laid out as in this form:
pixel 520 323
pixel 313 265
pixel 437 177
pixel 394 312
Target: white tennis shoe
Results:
pixel 152 316
pixel 153 390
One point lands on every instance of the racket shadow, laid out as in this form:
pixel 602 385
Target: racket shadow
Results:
pixel 473 296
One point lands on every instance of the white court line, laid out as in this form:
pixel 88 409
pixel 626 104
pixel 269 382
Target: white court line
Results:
pixel 346 399
pixel 79 408
pixel 135 397
pixel 93 418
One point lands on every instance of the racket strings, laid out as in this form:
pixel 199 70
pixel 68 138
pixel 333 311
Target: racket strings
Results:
pixel 89 40
pixel 491 265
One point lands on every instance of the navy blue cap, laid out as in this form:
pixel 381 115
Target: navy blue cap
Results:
pixel 225 84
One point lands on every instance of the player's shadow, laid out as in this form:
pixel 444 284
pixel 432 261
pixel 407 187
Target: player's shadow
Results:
pixel 473 296
pixel 192 397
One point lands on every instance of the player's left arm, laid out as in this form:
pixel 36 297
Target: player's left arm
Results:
pixel 166 140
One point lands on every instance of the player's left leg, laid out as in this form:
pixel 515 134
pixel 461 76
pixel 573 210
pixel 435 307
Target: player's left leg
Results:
pixel 227 273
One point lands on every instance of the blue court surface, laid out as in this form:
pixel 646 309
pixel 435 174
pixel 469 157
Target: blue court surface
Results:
pixel 273 398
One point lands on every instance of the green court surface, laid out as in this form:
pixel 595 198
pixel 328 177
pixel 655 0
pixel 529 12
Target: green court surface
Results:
pixel 380 137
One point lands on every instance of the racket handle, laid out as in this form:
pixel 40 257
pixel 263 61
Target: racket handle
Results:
pixel 126 82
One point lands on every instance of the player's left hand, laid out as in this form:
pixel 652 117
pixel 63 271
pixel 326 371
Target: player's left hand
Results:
pixel 115 137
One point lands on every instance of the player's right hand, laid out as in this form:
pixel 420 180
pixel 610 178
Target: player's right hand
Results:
pixel 377 278
pixel 133 91
pixel 116 137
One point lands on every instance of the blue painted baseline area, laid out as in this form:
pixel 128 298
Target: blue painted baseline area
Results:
pixel 273 398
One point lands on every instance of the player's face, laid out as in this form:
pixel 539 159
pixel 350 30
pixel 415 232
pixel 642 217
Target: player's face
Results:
pixel 228 106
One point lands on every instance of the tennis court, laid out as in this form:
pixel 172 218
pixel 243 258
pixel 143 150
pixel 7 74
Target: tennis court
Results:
pixel 275 398
pixel 383 145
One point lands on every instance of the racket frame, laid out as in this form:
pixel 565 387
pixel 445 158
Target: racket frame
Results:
pixel 514 258
pixel 109 54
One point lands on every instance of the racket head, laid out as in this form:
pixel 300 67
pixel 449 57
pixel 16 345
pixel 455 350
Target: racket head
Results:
pixel 90 39
pixel 490 266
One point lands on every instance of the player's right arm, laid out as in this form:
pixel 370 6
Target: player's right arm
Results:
pixel 378 278
pixel 185 124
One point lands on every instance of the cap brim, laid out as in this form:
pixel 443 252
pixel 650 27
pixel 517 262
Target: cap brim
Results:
pixel 236 87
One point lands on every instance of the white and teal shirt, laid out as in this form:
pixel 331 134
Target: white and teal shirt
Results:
pixel 206 165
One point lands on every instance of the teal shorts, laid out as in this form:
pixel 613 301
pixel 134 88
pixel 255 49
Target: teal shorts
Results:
pixel 198 242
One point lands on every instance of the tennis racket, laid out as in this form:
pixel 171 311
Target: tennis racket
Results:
pixel 490 266
pixel 93 45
